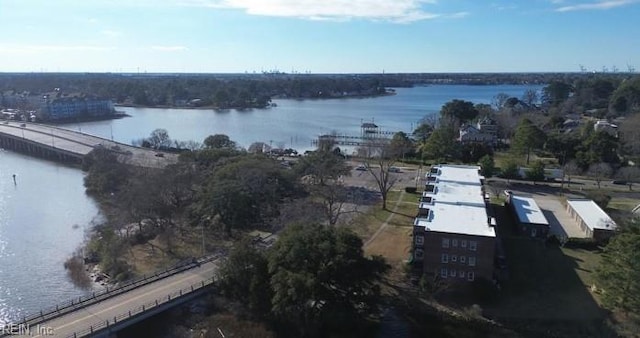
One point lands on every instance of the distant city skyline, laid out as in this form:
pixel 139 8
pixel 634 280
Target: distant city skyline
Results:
pixel 329 36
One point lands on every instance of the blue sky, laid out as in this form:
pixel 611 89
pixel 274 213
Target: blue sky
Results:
pixel 320 36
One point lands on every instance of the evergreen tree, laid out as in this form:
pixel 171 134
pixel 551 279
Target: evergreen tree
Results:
pixel 487 165
pixel 536 172
pixel 527 137
pixel 619 270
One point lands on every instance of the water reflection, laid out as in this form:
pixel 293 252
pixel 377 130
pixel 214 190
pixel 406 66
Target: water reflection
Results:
pixel 37 217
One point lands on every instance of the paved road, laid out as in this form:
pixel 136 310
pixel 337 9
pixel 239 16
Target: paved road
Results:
pixel 82 144
pixel 560 222
pixel 82 319
pixel 546 196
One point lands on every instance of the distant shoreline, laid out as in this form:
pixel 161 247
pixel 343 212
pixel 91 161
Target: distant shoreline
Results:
pixel 389 92
pixel 115 116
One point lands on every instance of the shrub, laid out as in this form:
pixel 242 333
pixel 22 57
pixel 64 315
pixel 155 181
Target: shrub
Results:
pixel 581 243
pixel 411 190
pixel 600 197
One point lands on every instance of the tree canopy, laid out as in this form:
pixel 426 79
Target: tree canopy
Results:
pixel 459 110
pixel 556 92
pixel 314 279
pixel 319 275
pixel 218 141
pixel 619 272
pixel 527 137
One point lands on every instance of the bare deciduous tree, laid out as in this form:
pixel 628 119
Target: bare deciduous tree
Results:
pixel 571 169
pixel 599 171
pixel 630 175
pixel 379 157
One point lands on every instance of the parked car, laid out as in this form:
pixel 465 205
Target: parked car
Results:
pixel 361 167
pixel 619 182
pixel 394 170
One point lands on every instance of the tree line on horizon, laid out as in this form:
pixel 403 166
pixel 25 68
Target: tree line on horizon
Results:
pixel 243 91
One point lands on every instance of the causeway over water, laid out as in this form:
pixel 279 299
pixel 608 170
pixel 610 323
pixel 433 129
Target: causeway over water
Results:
pixel 72 146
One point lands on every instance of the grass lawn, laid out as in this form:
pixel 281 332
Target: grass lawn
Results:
pixel 624 204
pixel 545 282
pixel 393 242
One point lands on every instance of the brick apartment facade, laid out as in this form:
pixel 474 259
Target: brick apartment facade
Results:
pixel 454 237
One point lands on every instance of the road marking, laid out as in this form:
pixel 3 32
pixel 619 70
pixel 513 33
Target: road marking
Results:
pixel 129 300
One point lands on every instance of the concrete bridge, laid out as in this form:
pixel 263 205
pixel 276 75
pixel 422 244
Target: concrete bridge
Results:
pixel 105 313
pixel 70 146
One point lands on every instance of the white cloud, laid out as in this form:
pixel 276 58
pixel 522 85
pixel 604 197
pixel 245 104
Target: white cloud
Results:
pixel 111 33
pixel 458 15
pixel 169 48
pixel 340 10
pixel 599 5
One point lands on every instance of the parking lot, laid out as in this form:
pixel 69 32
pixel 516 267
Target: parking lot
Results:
pixel 560 223
pixel 405 176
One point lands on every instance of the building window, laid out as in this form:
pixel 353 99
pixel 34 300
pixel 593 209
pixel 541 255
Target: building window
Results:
pixel 473 245
pixel 454 258
pixel 472 261
pixel 445 242
pixel 452 272
pixel 445 258
pixel 454 243
pixel 419 253
pixel 463 243
pixel 419 239
pixel 461 274
pixel 443 272
pixel 463 259
pixel 471 276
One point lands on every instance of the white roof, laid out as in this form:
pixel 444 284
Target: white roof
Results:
pixel 527 210
pixel 458 203
pixel 459 173
pixel 592 215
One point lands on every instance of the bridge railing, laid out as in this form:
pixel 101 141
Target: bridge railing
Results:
pixel 105 324
pixel 74 304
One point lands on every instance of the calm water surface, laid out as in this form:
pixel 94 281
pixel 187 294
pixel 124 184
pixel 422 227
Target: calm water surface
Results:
pixel 42 221
pixel 295 123
pixel 43 216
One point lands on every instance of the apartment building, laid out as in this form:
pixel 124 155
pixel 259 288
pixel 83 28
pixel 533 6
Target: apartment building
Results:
pixel 57 106
pixel 454 236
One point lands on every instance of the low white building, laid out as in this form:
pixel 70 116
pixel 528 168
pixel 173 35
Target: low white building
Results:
pixel 531 220
pixel 593 221
pixel 605 126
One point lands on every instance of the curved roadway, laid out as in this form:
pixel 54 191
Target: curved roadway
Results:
pixel 81 143
pixel 82 319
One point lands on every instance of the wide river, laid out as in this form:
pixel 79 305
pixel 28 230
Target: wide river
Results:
pixel 44 215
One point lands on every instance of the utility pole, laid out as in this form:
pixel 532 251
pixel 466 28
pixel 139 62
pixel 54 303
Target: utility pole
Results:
pixel 202 240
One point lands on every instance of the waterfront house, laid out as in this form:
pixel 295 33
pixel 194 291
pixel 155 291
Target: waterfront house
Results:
pixel 471 134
